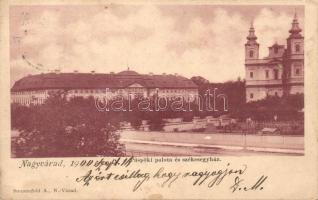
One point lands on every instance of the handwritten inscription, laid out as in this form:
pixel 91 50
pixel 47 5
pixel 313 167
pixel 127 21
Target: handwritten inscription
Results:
pixel 238 184
pixel 211 178
pixel 122 169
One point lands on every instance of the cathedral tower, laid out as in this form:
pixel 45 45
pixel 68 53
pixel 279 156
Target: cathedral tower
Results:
pixel 295 59
pixel 295 41
pixel 251 46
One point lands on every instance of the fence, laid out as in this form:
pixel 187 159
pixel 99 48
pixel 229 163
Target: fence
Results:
pixel 256 127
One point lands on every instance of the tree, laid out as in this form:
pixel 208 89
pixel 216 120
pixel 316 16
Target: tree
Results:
pixel 285 108
pixel 156 121
pixel 61 128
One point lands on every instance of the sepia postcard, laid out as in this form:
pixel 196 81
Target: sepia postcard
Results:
pixel 158 99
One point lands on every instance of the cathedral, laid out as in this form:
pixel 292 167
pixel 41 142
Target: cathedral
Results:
pixel 281 72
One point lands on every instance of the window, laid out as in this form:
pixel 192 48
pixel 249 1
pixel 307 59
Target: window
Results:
pixel 251 53
pixel 275 74
pixel 251 95
pixel 297 71
pixel 276 94
pixel 251 74
pixel 267 73
pixel 297 48
pixel 275 49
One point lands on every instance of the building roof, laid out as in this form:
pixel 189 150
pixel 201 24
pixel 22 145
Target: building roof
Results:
pixel 95 80
pixel 264 61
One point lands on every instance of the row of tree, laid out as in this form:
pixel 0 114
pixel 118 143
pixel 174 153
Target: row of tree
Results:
pixel 287 108
pixel 75 127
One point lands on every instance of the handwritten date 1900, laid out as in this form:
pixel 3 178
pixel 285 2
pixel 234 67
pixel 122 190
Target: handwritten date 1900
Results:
pixel 239 186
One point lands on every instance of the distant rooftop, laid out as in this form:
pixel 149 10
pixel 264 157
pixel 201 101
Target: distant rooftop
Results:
pixel 128 72
pixel 78 80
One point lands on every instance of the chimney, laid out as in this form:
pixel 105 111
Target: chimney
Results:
pixel 75 71
pixel 92 72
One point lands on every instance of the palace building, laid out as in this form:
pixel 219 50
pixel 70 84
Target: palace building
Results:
pixel 35 89
pixel 281 72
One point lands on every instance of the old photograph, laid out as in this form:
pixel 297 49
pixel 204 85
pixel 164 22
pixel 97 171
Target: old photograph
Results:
pixel 120 80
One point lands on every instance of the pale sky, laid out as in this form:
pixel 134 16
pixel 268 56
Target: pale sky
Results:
pixel 191 40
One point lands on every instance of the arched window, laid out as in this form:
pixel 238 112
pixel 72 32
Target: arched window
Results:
pixel 251 53
pixel 297 48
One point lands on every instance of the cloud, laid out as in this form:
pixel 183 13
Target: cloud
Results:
pixel 272 27
pixel 147 41
pixel 43 30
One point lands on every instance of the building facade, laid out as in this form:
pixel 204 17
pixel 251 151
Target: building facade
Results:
pixel 281 72
pixel 35 89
